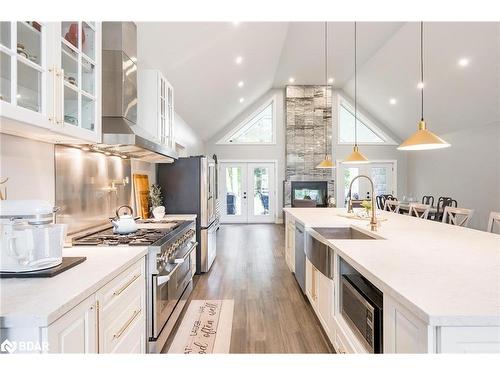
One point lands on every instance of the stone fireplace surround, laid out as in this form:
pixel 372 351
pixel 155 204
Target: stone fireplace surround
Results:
pixel 306 116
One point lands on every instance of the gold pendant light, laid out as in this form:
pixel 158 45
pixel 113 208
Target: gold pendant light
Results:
pixel 356 157
pixel 326 163
pixel 422 139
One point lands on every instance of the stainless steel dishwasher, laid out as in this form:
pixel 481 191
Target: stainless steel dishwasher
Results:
pixel 300 256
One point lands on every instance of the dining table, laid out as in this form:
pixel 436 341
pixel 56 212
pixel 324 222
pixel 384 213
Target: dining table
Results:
pixel 405 206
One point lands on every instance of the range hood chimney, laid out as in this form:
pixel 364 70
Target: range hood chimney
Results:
pixel 120 132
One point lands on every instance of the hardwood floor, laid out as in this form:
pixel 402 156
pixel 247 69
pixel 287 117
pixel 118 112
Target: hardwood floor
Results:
pixel 271 315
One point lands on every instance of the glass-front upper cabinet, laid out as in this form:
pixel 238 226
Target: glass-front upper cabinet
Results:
pixel 50 78
pixel 166 112
pixel 23 66
pixel 79 66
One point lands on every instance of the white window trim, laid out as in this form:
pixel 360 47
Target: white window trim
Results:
pixel 339 177
pixel 370 124
pixel 225 139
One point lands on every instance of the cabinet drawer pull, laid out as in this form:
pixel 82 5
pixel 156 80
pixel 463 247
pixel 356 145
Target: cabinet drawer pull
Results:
pixel 127 324
pixel 119 291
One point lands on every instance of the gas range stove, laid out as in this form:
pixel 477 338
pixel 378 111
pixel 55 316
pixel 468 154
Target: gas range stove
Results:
pixel 141 237
pixel 165 242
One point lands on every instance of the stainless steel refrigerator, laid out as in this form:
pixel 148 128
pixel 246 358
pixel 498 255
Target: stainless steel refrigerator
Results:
pixel 189 186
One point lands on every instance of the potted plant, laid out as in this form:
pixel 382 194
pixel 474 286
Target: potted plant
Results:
pixel 367 205
pixel 155 202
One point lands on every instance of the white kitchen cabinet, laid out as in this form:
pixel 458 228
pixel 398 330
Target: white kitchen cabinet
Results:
pixel 50 80
pixel 311 284
pixel 325 301
pixel 75 331
pixel 290 244
pixel 404 332
pixel 469 340
pixel 156 106
pixel 122 313
pixel 112 320
pixel 319 290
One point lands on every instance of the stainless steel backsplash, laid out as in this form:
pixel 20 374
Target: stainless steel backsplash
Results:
pixel 89 187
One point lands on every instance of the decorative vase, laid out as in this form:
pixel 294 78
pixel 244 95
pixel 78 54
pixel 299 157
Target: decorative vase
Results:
pixel 159 212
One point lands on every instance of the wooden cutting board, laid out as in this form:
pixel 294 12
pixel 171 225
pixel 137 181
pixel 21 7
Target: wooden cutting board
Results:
pixel 141 188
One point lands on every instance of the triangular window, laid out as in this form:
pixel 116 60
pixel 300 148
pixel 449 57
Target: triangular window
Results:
pixel 257 129
pixel 368 133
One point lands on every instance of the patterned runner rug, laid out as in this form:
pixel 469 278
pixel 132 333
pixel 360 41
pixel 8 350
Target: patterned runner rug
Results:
pixel 205 328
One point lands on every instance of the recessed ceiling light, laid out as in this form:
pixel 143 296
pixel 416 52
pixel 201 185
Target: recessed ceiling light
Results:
pixel 392 101
pixel 330 80
pixel 420 85
pixel 241 84
pixel 291 80
pixel 463 62
pixel 242 100
pixel 238 60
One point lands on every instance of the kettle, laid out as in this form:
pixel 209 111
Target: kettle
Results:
pixel 124 224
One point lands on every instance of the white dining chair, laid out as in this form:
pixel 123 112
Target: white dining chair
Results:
pixel 457 216
pixel 419 210
pixel 391 205
pixel 494 219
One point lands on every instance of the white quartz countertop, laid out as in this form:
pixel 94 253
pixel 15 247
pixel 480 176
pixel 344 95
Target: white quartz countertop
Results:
pixel 39 302
pixel 446 275
pixel 180 216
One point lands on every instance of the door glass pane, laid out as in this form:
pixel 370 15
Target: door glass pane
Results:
pixel 28 87
pixel 349 174
pixel 88 113
pixel 261 191
pixel 233 190
pixel 88 40
pixel 5 77
pixel 69 60
pixel 88 76
pixel 5 33
pixel 70 106
pixel 29 41
pixel 380 181
pixel 69 31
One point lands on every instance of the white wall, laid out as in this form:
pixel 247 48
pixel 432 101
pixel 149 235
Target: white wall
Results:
pixel 468 171
pixel 187 137
pixel 267 152
pixel 29 165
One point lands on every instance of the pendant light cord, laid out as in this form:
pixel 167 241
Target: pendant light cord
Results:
pixel 326 87
pixel 355 84
pixel 422 67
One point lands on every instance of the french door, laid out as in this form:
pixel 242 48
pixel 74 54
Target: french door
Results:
pixel 382 173
pixel 247 191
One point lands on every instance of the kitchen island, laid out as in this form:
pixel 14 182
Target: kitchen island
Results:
pixel 440 283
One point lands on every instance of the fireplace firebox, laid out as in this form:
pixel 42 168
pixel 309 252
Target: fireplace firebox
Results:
pixel 309 193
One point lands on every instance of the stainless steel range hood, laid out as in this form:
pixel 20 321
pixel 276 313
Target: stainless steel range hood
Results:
pixel 120 132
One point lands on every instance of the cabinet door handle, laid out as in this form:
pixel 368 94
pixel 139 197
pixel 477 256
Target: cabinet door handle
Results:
pixel 119 291
pixel 60 109
pixel 314 296
pixel 127 324
pixel 55 98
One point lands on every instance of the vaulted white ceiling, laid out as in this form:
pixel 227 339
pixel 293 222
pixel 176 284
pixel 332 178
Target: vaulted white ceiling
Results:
pixel 199 60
